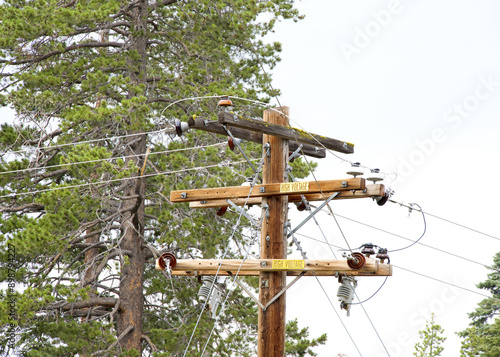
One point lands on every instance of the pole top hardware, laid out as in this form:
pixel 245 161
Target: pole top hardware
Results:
pixel 285 132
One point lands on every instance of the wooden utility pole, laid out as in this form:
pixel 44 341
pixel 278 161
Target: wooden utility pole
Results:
pixel 273 195
pixel 271 330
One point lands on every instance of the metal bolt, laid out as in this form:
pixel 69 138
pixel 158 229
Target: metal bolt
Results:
pixel 344 184
pixel 262 189
pixel 268 238
pixel 263 264
pixel 184 195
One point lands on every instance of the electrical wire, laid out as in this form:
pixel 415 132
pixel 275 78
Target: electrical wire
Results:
pixel 371 323
pixel 252 185
pixel 402 237
pixel 110 158
pixel 229 292
pixel 336 313
pixel 414 272
pixel 117 180
pixel 423 233
pixel 120 136
pixel 447 220
pixel 375 293
pixel 447 283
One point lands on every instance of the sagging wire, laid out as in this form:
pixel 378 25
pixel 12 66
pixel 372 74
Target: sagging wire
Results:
pixel 446 220
pixel 423 233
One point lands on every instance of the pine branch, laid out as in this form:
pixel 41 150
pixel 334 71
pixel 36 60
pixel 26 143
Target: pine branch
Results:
pixel 67 49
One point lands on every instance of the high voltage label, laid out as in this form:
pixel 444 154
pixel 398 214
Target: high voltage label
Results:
pixel 294 186
pixel 288 264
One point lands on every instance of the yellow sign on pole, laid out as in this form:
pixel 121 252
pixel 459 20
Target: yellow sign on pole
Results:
pixel 294 186
pixel 288 264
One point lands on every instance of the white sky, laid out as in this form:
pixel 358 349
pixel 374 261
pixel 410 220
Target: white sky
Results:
pixel 407 82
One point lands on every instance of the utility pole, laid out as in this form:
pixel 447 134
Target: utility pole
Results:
pixel 273 195
pixel 272 321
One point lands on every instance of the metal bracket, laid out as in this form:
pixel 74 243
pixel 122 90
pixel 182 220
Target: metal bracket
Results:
pixel 275 297
pixel 311 215
pixel 235 279
pixel 267 146
pixel 265 206
pixel 283 290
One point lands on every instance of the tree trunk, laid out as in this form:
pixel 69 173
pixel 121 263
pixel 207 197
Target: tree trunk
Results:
pixel 132 226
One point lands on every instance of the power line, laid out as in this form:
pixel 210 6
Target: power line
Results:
pixel 423 233
pixel 58 146
pixel 336 313
pixel 401 237
pixel 118 180
pixel 375 293
pixel 110 158
pixel 445 282
pixel 172 131
pixel 447 220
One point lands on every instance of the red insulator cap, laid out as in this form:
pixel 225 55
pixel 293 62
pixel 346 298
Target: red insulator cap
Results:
pixel 172 260
pixel 221 211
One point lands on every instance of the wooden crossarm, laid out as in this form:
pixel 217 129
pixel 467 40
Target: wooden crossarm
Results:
pixel 215 127
pixel 273 189
pixel 285 132
pixel 376 190
pixel 252 267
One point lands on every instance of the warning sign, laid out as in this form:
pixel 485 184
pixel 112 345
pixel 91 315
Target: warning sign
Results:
pixel 294 186
pixel 288 264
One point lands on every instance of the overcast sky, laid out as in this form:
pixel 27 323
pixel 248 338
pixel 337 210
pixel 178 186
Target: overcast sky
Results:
pixel 415 85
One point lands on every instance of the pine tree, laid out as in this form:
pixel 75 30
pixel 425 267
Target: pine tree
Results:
pixel 483 335
pixel 94 85
pixel 297 342
pixel 431 340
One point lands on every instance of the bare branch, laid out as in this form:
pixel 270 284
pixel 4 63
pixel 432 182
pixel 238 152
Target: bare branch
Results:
pixel 100 301
pixel 27 208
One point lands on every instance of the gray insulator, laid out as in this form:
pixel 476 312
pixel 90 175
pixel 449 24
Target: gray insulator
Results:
pixel 345 293
pixel 204 292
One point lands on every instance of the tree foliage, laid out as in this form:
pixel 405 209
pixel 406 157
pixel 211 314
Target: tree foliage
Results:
pixel 297 342
pixel 87 167
pixel 430 340
pixel 483 335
